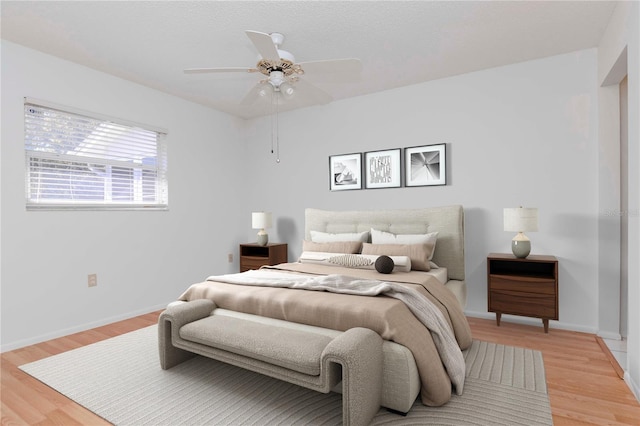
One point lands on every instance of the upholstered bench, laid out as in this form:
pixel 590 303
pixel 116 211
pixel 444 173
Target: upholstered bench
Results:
pixel 305 358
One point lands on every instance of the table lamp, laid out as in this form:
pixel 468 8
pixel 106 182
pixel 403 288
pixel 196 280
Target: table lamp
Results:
pixel 521 220
pixel 261 220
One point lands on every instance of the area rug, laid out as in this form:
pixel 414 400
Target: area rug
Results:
pixel 120 380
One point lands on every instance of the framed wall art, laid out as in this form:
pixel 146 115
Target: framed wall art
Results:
pixel 345 172
pixel 383 169
pixel 425 165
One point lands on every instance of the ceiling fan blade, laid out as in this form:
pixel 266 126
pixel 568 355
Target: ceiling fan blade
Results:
pixel 329 66
pixel 309 94
pixel 254 94
pixel 216 70
pixel 264 45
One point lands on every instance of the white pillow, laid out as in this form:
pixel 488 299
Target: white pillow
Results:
pixel 325 237
pixel 382 237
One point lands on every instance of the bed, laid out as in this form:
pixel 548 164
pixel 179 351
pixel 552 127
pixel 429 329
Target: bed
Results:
pixel 413 361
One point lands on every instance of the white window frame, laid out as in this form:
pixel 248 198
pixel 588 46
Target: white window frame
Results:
pixel 55 154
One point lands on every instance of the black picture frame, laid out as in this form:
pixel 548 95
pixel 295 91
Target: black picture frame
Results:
pixel 383 169
pixel 345 172
pixel 425 165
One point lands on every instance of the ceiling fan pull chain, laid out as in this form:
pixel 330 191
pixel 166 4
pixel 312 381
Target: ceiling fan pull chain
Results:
pixel 274 125
pixel 277 131
pixel 272 122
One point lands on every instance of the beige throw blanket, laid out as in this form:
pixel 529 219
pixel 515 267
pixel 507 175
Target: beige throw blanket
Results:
pixel 420 306
pixel 390 318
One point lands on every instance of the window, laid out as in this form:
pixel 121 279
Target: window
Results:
pixel 77 160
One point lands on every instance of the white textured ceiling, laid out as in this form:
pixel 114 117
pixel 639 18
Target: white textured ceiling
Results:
pixel 399 42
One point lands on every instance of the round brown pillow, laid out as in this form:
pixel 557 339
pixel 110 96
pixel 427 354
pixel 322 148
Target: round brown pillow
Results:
pixel 384 264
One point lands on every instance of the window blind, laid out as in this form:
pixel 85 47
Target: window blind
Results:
pixel 78 160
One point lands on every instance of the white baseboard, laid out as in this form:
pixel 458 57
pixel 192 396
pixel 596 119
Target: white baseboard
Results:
pixel 532 321
pixel 635 387
pixel 76 329
pixel 609 335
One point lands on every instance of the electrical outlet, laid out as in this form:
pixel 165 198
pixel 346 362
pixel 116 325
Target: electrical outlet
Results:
pixel 92 280
pixel 230 257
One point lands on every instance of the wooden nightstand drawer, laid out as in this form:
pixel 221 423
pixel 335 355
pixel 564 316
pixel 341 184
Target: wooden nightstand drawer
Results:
pixel 524 284
pixel 253 262
pixel 534 305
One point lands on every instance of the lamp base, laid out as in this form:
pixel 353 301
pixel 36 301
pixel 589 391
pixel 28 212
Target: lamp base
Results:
pixel 263 239
pixel 520 249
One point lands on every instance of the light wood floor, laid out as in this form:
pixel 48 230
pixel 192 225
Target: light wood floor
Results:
pixel 584 388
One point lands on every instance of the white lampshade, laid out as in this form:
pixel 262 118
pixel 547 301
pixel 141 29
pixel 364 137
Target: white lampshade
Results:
pixel 520 219
pixel 261 220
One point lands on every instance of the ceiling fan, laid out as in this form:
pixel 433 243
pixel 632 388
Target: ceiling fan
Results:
pixel 284 74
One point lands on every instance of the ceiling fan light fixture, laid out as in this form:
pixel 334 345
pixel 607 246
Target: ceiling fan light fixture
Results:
pixel 287 90
pixel 276 78
pixel 265 90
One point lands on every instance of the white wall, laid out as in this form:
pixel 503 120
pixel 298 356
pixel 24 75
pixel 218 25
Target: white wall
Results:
pixel 143 259
pixel 524 134
pixel 622 40
pixel 633 347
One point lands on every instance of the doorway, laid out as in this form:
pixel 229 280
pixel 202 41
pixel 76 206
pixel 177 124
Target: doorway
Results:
pixel 624 208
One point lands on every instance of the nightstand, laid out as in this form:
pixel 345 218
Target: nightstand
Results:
pixel 253 256
pixel 527 287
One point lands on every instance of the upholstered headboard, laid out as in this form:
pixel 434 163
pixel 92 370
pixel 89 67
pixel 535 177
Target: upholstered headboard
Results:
pixel 448 221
